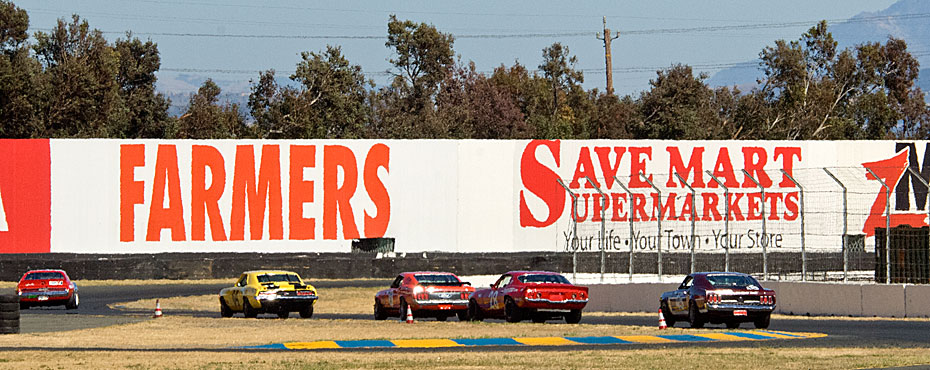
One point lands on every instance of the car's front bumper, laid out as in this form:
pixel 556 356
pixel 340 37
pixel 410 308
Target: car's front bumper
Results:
pixel 278 304
pixel 440 305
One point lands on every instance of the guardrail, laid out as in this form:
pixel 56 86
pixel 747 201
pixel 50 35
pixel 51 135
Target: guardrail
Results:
pixel 794 298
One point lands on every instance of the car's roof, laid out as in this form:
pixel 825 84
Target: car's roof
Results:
pixel 426 273
pixel 721 273
pixel 523 272
pixel 261 272
pixel 46 270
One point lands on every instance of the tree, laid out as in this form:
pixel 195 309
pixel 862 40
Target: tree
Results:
pixel 473 107
pixel 818 92
pixel 678 106
pixel 18 76
pixel 79 95
pixel 422 56
pixel 206 119
pixel 558 67
pixel 147 115
pixel 329 103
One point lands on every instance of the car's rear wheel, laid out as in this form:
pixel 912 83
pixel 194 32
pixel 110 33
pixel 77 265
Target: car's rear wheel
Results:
pixel 474 312
pixel 380 311
pixel 511 312
pixel 73 302
pixel 694 317
pixel 283 314
pixel 763 322
pixel 306 312
pixel 573 317
pixel 732 324
pixel 667 314
pixel 247 309
pixel 225 311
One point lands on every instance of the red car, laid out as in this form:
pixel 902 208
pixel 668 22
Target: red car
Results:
pixel 730 298
pixel 536 295
pixel 47 288
pixel 427 293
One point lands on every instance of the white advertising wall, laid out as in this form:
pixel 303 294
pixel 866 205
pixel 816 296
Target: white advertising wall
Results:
pixel 149 196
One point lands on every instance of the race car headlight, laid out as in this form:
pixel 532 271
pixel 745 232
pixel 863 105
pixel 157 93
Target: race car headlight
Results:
pixel 417 289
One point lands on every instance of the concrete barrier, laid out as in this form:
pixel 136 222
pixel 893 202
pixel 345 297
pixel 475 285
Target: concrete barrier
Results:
pixel 917 300
pixel 883 300
pixel 799 298
pixel 793 298
pixel 626 297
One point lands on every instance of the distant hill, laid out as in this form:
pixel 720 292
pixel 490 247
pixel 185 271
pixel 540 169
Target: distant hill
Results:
pixel 914 30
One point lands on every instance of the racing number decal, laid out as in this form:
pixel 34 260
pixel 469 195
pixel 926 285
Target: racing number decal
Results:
pixel 493 300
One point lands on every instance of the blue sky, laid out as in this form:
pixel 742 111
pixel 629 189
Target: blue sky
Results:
pixel 202 38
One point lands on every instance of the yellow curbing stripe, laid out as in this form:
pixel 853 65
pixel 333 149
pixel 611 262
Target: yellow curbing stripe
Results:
pixel 546 341
pixel 772 334
pixel 644 339
pixel 721 336
pixel 312 345
pixel 425 343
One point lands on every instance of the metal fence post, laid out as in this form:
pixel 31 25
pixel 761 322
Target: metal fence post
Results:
pixel 659 227
pixel 922 181
pixel 726 218
pixel 765 254
pixel 630 213
pixel 603 221
pixel 693 216
pixel 887 226
pixel 803 244
pixel 845 226
pixel 574 229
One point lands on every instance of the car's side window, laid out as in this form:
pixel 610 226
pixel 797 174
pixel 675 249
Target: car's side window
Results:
pixel 687 283
pixel 242 280
pixel 396 283
pixel 504 280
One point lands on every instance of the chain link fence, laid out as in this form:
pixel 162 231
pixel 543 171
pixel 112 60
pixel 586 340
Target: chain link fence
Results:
pixel 810 224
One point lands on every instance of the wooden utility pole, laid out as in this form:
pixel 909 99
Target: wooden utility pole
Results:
pixel 607 36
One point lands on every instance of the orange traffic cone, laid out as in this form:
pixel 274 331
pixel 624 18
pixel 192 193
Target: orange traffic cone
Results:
pixel 157 309
pixel 662 320
pixel 409 315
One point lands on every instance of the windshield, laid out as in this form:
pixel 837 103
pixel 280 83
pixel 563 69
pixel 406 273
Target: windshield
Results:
pixel 544 279
pixel 44 276
pixel 276 278
pixel 732 281
pixel 438 279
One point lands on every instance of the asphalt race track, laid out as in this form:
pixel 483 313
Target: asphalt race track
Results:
pixel 94 312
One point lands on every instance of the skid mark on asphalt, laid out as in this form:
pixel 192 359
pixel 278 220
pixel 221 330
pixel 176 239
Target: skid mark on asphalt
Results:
pixel 728 336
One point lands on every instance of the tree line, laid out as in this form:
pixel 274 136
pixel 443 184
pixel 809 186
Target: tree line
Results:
pixel 72 83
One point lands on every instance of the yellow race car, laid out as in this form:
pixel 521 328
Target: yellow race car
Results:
pixel 268 291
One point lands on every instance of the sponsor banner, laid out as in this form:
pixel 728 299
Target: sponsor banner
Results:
pixel 149 196
pixel 742 196
pixel 24 196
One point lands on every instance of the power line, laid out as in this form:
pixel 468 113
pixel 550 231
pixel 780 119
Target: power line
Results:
pixel 657 31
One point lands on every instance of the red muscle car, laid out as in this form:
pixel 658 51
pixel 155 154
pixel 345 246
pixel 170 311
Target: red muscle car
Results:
pixel 47 288
pixel 427 293
pixel 535 295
